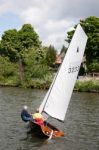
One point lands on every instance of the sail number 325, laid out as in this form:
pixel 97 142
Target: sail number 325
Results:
pixel 73 69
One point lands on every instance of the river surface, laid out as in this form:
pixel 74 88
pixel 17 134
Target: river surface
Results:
pixel 81 126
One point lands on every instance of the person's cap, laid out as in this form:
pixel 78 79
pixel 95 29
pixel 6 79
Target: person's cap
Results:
pixel 25 107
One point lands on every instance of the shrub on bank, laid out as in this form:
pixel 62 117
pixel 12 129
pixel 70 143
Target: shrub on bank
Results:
pixel 8 72
pixel 9 81
pixel 87 86
pixel 43 83
pixel 94 67
pixel 6 67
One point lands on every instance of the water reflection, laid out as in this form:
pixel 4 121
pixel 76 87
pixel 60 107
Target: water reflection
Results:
pixel 81 126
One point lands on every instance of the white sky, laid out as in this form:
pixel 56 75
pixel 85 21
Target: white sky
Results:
pixel 50 18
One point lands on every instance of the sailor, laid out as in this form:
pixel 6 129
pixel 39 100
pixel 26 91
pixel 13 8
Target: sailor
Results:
pixel 38 118
pixel 25 114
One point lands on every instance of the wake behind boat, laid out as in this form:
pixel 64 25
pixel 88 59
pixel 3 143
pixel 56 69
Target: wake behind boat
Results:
pixel 60 91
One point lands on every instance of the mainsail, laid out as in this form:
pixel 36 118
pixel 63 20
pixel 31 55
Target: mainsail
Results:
pixel 56 101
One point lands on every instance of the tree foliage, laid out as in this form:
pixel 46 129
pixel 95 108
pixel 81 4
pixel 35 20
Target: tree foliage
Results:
pixel 51 55
pixel 91 27
pixel 28 37
pixel 15 43
pixel 94 67
pixel 63 49
pixel 9 44
pixel 35 66
pixel 6 67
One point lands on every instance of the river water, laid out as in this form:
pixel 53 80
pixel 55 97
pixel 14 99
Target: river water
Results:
pixel 81 126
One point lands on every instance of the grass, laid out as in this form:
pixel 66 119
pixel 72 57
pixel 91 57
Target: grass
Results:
pixel 82 85
pixel 87 86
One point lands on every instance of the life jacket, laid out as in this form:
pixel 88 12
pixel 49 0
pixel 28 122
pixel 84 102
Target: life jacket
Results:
pixel 38 118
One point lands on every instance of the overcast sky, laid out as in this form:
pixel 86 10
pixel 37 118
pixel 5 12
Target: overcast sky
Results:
pixel 51 19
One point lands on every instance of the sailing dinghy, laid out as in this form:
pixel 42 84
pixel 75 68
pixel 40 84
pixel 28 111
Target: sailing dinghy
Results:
pixel 57 99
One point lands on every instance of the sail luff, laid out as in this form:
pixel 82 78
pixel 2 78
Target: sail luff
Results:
pixel 42 106
pixel 60 93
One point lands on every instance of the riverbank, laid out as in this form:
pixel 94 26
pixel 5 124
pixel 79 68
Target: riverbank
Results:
pixel 83 84
pixel 87 84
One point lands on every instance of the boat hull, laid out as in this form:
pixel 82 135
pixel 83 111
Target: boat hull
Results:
pixel 45 130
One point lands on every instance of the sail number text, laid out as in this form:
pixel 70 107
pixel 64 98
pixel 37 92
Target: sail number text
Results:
pixel 73 69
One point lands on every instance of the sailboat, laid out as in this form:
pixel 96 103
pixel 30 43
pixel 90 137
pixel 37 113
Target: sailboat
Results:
pixel 56 101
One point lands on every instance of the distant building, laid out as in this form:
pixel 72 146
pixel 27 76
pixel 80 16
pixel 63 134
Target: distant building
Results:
pixel 59 58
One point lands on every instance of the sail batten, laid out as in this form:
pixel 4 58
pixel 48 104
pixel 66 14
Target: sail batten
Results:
pixel 57 99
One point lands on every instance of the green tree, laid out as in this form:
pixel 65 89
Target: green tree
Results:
pixel 15 44
pixel 35 66
pixel 28 37
pixel 94 67
pixel 63 49
pixel 6 67
pixel 91 27
pixel 51 55
pixel 9 44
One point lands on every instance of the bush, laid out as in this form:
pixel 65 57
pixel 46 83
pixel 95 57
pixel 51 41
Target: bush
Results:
pixel 6 67
pixel 38 83
pixel 87 86
pixel 36 71
pixel 94 67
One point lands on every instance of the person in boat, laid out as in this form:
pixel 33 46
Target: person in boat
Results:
pixel 25 115
pixel 38 118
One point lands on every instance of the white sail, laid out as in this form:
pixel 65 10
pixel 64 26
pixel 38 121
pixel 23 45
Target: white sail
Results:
pixel 57 98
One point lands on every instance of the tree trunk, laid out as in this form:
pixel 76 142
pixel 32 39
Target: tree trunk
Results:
pixel 21 70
